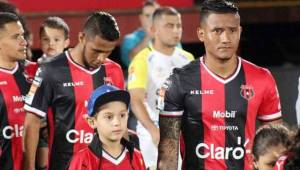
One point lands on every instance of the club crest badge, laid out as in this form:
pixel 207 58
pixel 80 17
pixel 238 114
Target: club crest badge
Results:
pixel 247 92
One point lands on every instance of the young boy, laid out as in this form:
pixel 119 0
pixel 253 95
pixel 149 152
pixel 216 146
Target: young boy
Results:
pixel 108 115
pixel 54 37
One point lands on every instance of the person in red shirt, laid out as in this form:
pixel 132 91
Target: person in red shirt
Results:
pixel 291 160
pixel 270 142
pixel 214 101
pixel 62 87
pixel 16 75
pixel 108 115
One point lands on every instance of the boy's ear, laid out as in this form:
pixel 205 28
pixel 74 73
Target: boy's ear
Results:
pixel 81 37
pixel 67 43
pixel 90 121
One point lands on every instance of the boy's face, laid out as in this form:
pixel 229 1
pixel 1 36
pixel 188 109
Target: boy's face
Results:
pixel 53 41
pixel 111 121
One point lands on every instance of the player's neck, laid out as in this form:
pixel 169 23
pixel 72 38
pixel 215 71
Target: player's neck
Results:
pixel 7 64
pixel 222 68
pixel 75 54
pixel 167 50
pixel 114 148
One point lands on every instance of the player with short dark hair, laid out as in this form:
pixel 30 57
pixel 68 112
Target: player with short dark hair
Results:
pixel 62 87
pixel 214 101
pixel 16 75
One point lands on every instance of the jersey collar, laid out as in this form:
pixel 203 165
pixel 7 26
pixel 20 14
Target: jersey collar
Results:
pixel 79 66
pixel 96 147
pixel 12 71
pixel 227 80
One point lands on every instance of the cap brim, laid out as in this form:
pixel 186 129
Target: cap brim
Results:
pixel 118 95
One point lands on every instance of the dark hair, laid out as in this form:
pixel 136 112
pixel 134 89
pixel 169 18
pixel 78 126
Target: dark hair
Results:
pixel 218 7
pixel 7 17
pixel 293 161
pixel 102 24
pixel 56 23
pixel 268 136
pixel 164 11
pixel 150 3
pixel 7 7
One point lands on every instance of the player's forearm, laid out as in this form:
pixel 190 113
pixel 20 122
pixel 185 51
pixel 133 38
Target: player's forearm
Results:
pixel 30 140
pixel 169 143
pixel 139 110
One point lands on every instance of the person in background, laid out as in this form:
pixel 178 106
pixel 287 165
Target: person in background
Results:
pixel 140 38
pixel 147 73
pixel 54 37
pixel 270 142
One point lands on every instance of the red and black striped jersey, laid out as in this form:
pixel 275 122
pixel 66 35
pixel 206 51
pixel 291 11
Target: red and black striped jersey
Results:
pixel 279 165
pixel 220 113
pixel 60 91
pixel 14 85
pixel 95 157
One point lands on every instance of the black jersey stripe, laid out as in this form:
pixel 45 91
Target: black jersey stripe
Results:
pixel 6 162
pixel 192 130
pixel 61 149
pixel 21 80
pixel 235 121
pixel 98 77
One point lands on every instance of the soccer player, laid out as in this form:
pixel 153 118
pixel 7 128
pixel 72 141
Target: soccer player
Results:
pixel 16 75
pixel 54 37
pixel 147 73
pixel 61 89
pixel 108 115
pixel 215 100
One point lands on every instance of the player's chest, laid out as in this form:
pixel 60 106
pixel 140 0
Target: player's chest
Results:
pixel 223 100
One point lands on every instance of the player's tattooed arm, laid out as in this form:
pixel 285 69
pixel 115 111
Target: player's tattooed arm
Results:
pixel 169 142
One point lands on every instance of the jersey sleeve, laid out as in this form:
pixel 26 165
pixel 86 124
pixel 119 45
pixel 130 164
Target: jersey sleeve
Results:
pixel 114 71
pixel 138 161
pixel 137 72
pixel 270 108
pixel 30 69
pixel 38 98
pixel 279 165
pixel 189 56
pixel 170 100
pixel 78 162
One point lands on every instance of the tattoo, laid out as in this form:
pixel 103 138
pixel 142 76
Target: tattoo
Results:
pixel 169 142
